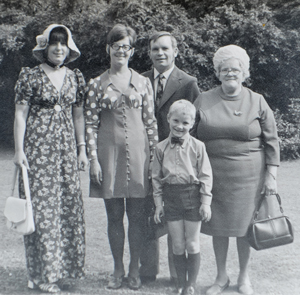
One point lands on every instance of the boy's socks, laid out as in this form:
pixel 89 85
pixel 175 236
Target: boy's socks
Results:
pixel 180 266
pixel 193 265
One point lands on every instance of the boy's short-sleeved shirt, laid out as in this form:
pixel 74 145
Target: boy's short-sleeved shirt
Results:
pixel 182 164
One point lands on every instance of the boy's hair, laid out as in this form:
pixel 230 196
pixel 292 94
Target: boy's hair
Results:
pixel 184 106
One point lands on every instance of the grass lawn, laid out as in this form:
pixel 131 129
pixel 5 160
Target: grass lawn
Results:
pixel 273 272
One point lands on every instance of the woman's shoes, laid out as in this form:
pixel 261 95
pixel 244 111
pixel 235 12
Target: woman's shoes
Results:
pixel 216 289
pixel 245 289
pixel 44 287
pixel 115 282
pixel 189 291
pixel 134 283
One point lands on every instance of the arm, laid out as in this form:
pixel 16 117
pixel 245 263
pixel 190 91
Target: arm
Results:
pixel 21 114
pixel 78 119
pixel 193 91
pixel 92 115
pixel 205 177
pixel 157 185
pixel 271 147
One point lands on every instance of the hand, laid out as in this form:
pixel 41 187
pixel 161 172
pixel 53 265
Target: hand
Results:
pixel 205 212
pixel 95 171
pixel 21 159
pixel 83 161
pixel 269 186
pixel 159 212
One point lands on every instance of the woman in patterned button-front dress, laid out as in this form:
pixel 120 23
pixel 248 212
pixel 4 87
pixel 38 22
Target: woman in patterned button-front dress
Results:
pixel 121 135
pixel 48 122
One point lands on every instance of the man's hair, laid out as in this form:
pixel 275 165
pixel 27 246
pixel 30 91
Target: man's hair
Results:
pixel 159 34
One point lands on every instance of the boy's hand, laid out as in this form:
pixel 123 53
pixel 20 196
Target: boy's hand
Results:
pixel 205 212
pixel 159 212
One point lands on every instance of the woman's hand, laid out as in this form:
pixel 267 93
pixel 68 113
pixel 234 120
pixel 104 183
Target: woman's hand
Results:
pixel 205 212
pixel 270 185
pixel 83 161
pixel 95 171
pixel 21 159
pixel 159 212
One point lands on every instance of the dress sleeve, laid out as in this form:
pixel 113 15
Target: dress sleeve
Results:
pixel 148 116
pixel 80 93
pixel 23 88
pixel 92 116
pixel 269 134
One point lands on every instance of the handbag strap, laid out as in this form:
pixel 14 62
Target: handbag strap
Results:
pixel 25 182
pixel 261 201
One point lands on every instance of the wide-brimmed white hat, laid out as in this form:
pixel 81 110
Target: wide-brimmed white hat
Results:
pixel 43 40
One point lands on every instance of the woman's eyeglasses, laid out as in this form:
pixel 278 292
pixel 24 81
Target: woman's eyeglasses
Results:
pixel 117 47
pixel 227 71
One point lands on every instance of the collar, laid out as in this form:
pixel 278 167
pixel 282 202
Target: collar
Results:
pixel 186 138
pixel 134 81
pixel 166 73
pixel 52 65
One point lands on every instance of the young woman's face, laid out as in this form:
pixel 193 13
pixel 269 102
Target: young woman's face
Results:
pixel 120 51
pixel 57 52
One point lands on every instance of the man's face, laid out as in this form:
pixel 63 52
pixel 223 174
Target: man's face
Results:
pixel 162 53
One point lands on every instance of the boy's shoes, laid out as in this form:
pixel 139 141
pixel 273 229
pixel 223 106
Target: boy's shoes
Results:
pixel 189 291
pixel 147 279
pixel 134 283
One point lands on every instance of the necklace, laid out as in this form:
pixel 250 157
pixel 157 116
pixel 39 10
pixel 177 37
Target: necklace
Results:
pixel 54 66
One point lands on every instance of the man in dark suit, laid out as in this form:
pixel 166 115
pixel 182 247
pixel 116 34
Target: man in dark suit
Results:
pixel 169 84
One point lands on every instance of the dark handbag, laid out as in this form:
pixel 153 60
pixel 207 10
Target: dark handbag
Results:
pixel 270 231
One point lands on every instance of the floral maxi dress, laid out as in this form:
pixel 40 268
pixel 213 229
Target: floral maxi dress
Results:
pixel 56 250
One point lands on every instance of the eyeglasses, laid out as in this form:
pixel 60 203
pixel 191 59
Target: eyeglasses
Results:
pixel 227 71
pixel 117 47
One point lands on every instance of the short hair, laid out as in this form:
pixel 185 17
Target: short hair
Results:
pixel 232 51
pixel 159 34
pixel 58 34
pixel 119 32
pixel 183 105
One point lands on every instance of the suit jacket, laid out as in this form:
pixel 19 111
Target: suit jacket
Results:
pixel 180 85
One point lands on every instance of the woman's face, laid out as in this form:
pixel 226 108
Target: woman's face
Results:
pixel 231 74
pixel 57 52
pixel 119 53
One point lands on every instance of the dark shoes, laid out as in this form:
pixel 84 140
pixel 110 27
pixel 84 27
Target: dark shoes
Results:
pixel 134 283
pixel 115 282
pixel 147 279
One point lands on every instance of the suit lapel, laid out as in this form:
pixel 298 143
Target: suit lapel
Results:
pixel 173 83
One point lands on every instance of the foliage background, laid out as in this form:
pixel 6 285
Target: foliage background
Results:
pixel 268 30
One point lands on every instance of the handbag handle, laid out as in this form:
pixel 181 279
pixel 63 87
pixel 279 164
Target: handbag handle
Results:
pixel 261 201
pixel 25 181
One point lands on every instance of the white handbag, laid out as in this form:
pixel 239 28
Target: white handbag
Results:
pixel 18 212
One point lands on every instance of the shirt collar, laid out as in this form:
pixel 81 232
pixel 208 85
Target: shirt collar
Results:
pixel 166 73
pixel 134 81
pixel 186 138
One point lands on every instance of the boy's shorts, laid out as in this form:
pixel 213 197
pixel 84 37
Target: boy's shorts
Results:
pixel 181 202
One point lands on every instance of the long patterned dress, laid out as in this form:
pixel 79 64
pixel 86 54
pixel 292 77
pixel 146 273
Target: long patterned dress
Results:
pixel 240 136
pixel 122 131
pixel 56 250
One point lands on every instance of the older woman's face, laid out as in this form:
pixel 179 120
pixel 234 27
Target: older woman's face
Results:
pixel 230 73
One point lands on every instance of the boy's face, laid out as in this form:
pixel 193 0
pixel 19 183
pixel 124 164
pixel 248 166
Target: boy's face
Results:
pixel 180 123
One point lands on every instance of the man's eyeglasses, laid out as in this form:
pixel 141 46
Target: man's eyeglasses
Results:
pixel 227 71
pixel 117 47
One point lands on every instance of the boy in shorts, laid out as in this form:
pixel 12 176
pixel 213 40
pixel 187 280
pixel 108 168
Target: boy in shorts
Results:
pixel 182 183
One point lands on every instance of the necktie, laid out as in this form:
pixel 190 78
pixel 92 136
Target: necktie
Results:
pixel 160 90
pixel 175 140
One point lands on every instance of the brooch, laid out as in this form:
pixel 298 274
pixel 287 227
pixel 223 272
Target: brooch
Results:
pixel 238 113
